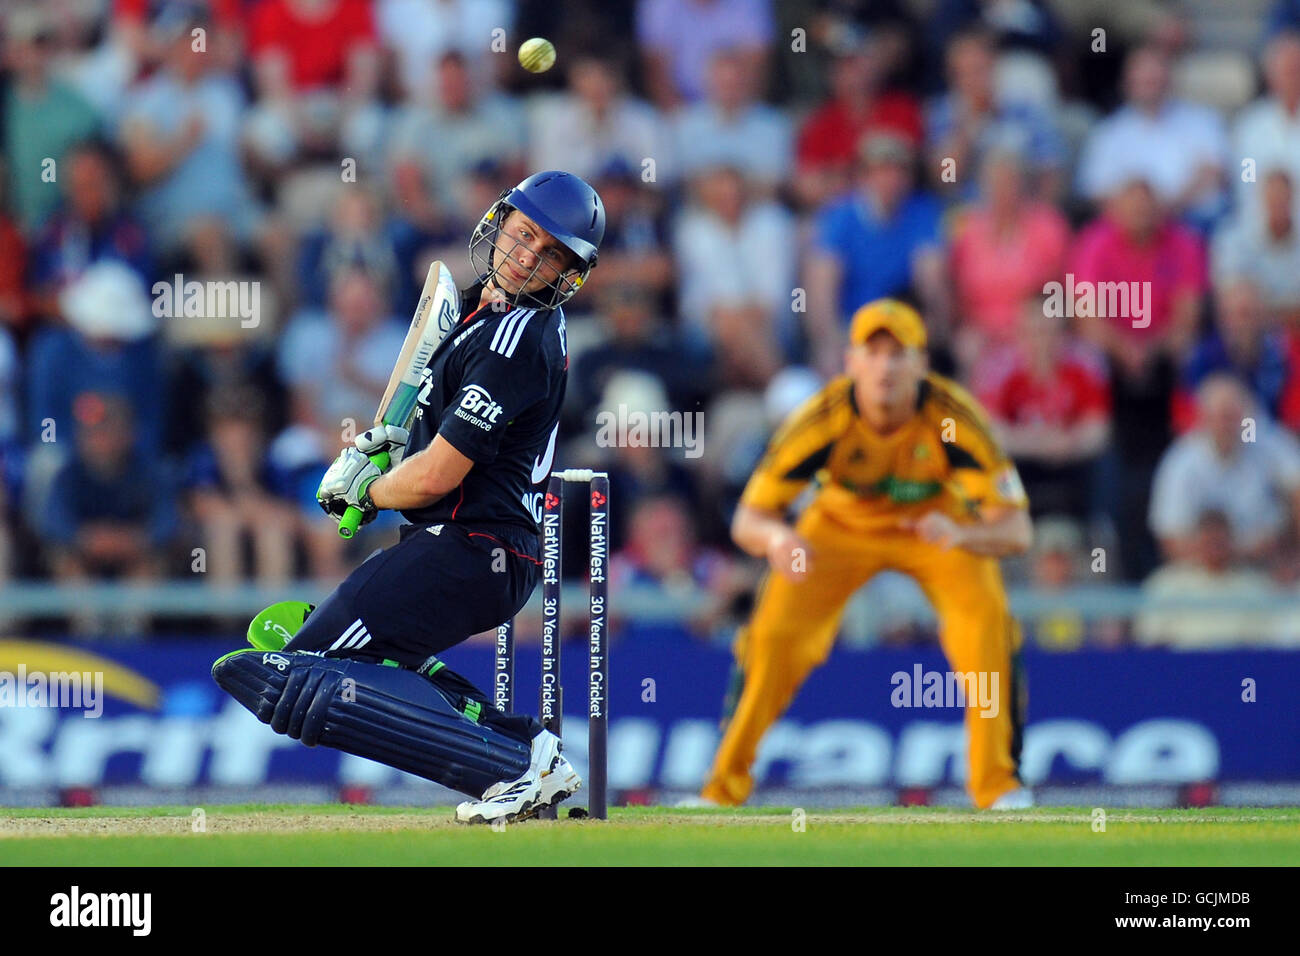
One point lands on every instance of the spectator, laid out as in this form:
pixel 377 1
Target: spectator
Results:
pixel 1004 251
pixel 336 364
pixel 180 136
pixel 316 72
pixel 1263 247
pixel 1207 571
pixel 466 126
pixel 1055 563
pixel 732 127
pixel 1179 148
pixel 421 228
pixel 109 345
pixel 735 260
pixel 857 105
pixel 1244 344
pixel 882 240
pixel 15 300
pixel 91 227
pixel 1134 242
pixel 1235 461
pixel 223 349
pixel 300 45
pixel 1049 399
pixel 963 124
pixel 595 125
pixel 353 239
pixel 111 512
pixel 633 337
pixel 1268 130
pixel 135 25
pixel 1010 24
pixel 421 32
pixel 636 245
pixel 679 38
pixel 43 117
pixel 662 551
pixel 640 465
pixel 239 495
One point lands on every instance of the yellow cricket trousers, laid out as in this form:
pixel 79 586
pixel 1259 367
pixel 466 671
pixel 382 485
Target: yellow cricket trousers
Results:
pixel 793 627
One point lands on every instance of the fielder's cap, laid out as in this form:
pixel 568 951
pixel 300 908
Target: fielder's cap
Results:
pixel 897 318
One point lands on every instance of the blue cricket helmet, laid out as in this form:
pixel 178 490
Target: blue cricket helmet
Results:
pixel 565 206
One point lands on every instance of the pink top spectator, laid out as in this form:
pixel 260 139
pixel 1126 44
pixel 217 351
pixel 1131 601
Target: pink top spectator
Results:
pixel 996 273
pixel 1174 263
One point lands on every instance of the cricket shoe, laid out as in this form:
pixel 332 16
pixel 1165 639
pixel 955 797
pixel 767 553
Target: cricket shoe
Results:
pixel 549 779
pixel 1021 798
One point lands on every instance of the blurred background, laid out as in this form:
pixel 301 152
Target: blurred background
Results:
pixel 766 167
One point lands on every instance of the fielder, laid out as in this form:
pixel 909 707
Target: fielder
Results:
pixel 360 672
pixel 904 476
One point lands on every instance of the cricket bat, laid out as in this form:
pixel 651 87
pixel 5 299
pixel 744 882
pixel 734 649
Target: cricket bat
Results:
pixel 437 313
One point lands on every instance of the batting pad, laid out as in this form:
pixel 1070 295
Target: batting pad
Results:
pixel 382 713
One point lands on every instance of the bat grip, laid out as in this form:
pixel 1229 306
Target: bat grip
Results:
pixel 351 519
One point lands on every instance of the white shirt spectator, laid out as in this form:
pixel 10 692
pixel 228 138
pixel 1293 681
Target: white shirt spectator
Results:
pixel 1199 628
pixel 565 134
pixel 1251 488
pixel 1166 150
pixel 719 265
pixel 756 141
pixel 209 180
pixel 449 145
pixel 420 31
pixel 310 354
pixel 1243 249
pixel 1266 133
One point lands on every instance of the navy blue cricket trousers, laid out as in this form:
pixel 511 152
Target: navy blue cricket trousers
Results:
pixel 439 585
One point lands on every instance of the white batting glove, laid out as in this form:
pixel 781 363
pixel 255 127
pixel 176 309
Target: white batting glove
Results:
pixel 389 438
pixel 347 482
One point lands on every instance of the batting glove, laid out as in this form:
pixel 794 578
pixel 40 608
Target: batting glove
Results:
pixel 347 483
pixel 389 438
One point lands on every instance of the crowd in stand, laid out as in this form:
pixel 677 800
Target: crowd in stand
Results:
pixel 766 168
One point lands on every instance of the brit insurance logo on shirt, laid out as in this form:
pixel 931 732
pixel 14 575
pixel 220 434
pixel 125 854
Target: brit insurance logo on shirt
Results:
pixel 478 407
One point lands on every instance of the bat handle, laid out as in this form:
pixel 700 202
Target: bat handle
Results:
pixel 351 519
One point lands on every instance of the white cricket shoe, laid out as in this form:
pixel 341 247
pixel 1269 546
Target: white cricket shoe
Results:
pixel 1021 798
pixel 549 779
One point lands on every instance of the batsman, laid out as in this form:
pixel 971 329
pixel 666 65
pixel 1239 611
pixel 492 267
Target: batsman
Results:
pixel 900 472
pixel 361 672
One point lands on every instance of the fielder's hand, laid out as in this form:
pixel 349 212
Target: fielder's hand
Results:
pixel 346 483
pixel 389 438
pixel 935 527
pixel 789 555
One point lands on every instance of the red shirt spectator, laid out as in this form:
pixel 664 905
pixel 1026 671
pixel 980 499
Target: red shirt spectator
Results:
pixel 830 135
pixel 317 36
pixel 828 142
pixel 13 261
pixel 1073 391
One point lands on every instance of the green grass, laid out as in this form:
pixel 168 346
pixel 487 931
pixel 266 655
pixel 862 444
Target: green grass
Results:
pixel 343 835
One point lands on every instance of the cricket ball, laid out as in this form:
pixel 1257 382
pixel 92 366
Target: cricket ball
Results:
pixel 537 55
